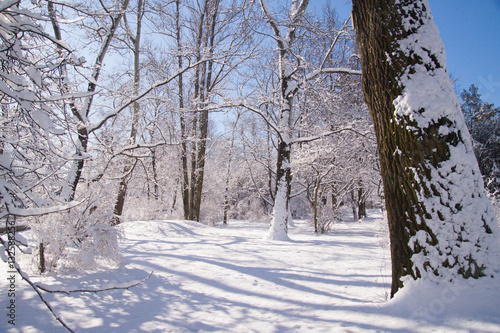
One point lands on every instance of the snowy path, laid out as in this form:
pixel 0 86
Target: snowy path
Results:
pixel 227 279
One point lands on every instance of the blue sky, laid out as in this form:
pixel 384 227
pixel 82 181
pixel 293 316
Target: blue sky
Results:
pixel 470 30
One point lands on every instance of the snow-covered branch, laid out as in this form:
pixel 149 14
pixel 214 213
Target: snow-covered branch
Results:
pixel 273 23
pixel 298 10
pixel 115 22
pixel 335 70
pixel 26 212
pixel 324 134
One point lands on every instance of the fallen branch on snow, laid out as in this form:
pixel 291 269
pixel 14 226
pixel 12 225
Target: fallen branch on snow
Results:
pixel 37 288
pixel 67 292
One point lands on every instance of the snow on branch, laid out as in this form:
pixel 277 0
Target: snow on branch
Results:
pixel 298 10
pixel 272 21
pixel 335 70
pixel 322 135
pixel 26 212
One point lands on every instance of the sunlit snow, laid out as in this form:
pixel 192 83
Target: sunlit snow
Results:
pixel 227 279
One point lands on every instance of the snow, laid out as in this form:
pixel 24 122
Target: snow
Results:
pixel 227 279
pixel 42 119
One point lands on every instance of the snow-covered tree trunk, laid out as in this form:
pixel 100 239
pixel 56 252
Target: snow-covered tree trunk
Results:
pixel 279 222
pixel 442 225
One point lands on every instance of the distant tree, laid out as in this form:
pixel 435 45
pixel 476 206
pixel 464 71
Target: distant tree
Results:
pixel 204 32
pixel 442 225
pixel 135 41
pixel 483 122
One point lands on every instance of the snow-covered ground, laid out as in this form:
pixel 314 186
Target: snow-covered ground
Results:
pixel 228 279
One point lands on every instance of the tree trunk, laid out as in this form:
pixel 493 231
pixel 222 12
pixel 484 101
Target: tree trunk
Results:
pixel 207 41
pixel 128 169
pixel 441 222
pixel 361 202
pixel 194 166
pixel 184 144
pixel 197 96
pixel 288 87
pixel 354 205
pixel 41 258
pixel 156 188
pixel 279 222
pixel 315 204
pixel 228 172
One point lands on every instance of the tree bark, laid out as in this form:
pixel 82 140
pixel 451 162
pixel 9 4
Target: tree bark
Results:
pixel 441 223
pixel 361 202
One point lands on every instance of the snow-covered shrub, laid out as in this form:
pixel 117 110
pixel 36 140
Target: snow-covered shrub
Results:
pixel 77 239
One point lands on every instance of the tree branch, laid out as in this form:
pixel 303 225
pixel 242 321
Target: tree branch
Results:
pixel 272 22
pixel 94 127
pixel 259 112
pixel 67 292
pixel 27 212
pixel 332 46
pixel 322 135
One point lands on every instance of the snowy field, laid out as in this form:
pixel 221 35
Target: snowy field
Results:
pixel 227 279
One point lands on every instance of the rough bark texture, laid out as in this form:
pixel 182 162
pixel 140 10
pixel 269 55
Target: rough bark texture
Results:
pixel 438 227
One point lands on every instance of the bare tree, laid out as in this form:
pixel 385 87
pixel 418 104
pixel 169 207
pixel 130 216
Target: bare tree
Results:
pixel 204 33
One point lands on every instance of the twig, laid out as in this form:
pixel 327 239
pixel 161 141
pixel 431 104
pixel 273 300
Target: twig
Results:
pixel 67 292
